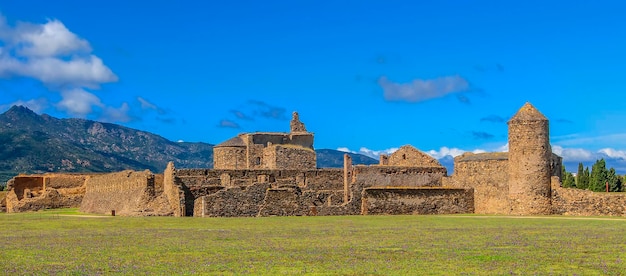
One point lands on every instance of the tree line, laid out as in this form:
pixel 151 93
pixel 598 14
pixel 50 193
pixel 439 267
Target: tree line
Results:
pixel 594 180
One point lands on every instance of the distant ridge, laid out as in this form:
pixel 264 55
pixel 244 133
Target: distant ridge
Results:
pixel 33 143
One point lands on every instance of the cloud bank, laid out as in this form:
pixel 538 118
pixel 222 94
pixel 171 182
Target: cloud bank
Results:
pixel 62 61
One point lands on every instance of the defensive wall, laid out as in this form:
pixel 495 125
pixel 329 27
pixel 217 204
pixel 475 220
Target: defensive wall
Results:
pixel 126 193
pixel 273 174
pixel 577 202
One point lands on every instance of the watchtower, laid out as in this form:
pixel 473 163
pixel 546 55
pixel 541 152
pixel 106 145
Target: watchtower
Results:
pixel 529 162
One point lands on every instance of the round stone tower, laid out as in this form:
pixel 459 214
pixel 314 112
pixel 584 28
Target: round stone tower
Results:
pixel 529 162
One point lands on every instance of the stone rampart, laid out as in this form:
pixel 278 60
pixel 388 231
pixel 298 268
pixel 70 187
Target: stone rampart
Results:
pixel 417 201
pixel 576 202
pixel 127 193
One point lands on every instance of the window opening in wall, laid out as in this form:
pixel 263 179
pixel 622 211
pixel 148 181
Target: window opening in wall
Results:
pixel 404 157
pixel 258 161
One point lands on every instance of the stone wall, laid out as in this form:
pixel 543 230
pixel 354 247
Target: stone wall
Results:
pixel 27 186
pixel 393 176
pixel 288 157
pixel 576 202
pixel 232 202
pixel 45 191
pixel 60 181
pixel 3 201
pixel 417 201
pixel 127 193
pixel 219 190
pixel 172 191
pixel 487 174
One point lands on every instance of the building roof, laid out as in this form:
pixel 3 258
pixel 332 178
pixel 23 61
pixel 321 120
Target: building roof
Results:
pixel 528 113
pixel 232 142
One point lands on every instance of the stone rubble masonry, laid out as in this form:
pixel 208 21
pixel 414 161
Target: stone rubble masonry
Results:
pixel 45 191
pixel 173 191
pixel 3 201
pixel 577 202
pixel 128 193
pixel 487 174
pixel 529 162
pixel 295 125
pixel 394 176
pixel 417 201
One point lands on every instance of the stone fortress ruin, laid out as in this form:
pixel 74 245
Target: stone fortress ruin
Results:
pixel 275 174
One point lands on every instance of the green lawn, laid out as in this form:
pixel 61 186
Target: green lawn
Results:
pixel 55 242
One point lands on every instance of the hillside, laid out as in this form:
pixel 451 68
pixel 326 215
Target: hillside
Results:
pixel 33 143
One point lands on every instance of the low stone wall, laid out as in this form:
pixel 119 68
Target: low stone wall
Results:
pixel 286 201
pixel 576 202
pixel 417 201
pixel 392 176
pixel 128 193
pixel 232 202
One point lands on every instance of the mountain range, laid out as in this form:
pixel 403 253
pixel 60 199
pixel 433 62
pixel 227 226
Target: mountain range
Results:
pixel 32 143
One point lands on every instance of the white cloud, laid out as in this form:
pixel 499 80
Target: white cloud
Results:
pixel 454 152
pixel 344 149
pixel 87 72
pixel 573 154
pixel 120 114
pixel 368 152
pixel 421 90
pixel 78 102
pixel 48 40
pixel 62 61
pixel 613 153
pixel 145 104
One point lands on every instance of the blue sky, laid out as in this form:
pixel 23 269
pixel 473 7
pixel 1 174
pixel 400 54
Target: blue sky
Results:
pixel 365 76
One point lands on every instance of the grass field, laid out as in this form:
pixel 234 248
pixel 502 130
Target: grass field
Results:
pixel 59 242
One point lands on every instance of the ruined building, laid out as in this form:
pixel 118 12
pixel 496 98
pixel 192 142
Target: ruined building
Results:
pixel 275 174
pixel 268 150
